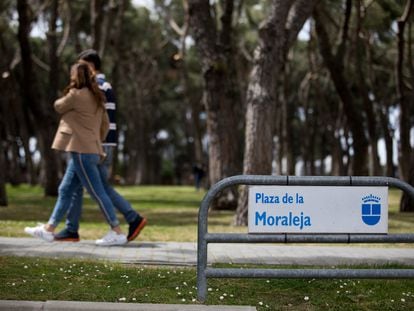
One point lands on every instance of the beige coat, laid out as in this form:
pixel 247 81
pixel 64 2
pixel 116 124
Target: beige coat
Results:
pixel 83 126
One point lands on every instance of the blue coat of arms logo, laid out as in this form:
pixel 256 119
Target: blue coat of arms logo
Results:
pixel 371 210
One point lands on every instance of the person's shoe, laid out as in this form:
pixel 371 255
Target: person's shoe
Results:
pixel 136 227
pixel 112 238
pixel 40 232
pixel 67 236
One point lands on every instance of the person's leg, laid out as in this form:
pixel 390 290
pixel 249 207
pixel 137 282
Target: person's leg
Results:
pixel 74 214
pixel 134 219
pixel 75 210
pixel 70 232
pixel 69 184
pixel 119 202
pixel 86 166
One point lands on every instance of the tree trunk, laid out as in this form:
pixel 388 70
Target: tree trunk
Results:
pixel 195 117
pixel 275 38
pixel 364 91
pixel 335 64
pixel 307 130
pixel 278 146
pixel 53 58
pixel 3 193
pixel 109 23
pixel 74 26
pixel 407 202
pixel 192 102
pixel 50 165
pixel 137 145
pixel 312 132
pixel 406 158
pixel 404 98
pixel 117 42
pixel 221 93
pixel 287 122
pixel 96 23
pixel 53 90
pixel 139 119
pixel 43 114
pixel 337 162
pixel 388 134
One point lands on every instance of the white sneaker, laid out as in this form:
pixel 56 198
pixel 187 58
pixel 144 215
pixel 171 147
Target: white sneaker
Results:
pixel 40 232
pixel 112 238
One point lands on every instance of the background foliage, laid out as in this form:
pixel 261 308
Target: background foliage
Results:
pixel 339 94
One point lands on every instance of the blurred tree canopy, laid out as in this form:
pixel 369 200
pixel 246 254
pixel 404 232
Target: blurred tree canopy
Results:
pixel 321 87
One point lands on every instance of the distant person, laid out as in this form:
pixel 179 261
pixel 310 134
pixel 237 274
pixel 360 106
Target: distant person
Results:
pixel 83 126
pixel 199 173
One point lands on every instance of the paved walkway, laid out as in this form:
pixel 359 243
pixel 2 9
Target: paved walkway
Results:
pixel 175 253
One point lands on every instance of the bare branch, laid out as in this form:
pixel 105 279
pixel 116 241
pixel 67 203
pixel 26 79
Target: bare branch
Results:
pixel 186 28
pixel 298 15
pixel 40 63
pixel 407 12
pixel 41 8
pixel 67 16
pixel 239 8
pixel 250 18
pixel 16 59
pixel 170 20
pixel 245 52
pixel 107 25
pixel 175 26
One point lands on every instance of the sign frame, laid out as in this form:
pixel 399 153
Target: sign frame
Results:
pixel 317 209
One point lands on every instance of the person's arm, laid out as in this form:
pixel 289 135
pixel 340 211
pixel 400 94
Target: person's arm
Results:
pixel 111 110
pixel 65 103
pixel 104 126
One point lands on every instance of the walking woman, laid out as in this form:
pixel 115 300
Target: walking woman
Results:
pixel 83 126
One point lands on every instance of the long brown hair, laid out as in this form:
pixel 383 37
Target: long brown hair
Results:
pixel 81 75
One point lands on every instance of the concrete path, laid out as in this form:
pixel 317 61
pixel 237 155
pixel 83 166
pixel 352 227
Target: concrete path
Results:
pixel 175 253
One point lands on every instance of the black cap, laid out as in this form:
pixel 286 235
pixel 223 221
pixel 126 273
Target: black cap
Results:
pixel 91 56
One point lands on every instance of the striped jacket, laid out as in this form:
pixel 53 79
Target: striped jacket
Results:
pixel 112 137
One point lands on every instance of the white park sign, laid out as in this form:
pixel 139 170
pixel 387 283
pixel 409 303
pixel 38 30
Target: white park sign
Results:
pixel 318 209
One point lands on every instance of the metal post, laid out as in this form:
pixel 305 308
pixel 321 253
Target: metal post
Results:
pixel 312 273
pixel 201 271
pixel 202 242
pixel 204 237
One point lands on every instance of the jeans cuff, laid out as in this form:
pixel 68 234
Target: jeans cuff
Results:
pixel 53 222
pixel 114 224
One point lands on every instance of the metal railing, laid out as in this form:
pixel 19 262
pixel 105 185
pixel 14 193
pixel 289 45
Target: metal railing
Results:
pixel 204 237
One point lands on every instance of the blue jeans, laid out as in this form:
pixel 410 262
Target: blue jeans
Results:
pixel 70 194
pixel 74 207
pixel 83 171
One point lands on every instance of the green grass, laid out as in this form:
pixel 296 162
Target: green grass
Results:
pixel 172 213
pixel 48 279
pixel 171 210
